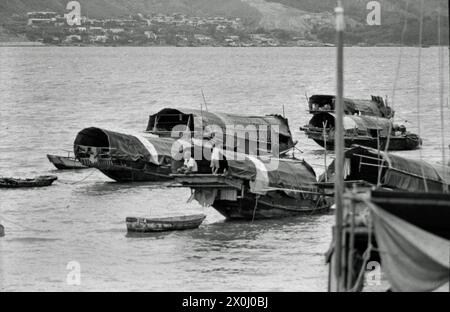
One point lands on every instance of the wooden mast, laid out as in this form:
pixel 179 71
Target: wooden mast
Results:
pixel 339 144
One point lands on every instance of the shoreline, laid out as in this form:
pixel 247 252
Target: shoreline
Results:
pixel 39 44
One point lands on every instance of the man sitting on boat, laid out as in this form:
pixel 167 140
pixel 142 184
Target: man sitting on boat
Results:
pixel 190 165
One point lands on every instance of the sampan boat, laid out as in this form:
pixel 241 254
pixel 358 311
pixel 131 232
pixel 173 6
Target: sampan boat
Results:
pixel 125 157
pixel 362 130
pixel 376 106
pixel 65 163
pixel 40 181
pixel 268 130
pixel 390 171
pixel 146 225
pixel 138 157
pixel 252 188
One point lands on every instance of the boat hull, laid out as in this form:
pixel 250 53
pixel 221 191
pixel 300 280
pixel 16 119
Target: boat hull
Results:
pixel 131 171
pixel 41 181
pixel 143 225
pixel 266 208
pixel 395 143
pixel 65 163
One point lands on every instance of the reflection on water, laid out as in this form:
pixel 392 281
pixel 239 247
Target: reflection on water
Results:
pixel 49 94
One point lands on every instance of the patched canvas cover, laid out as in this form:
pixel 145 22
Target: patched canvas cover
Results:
pixel 413 259
pixel 206 118
pixel 399 172
pixel 124 146
pixel 411 174
pixel 286 174
pixel 351 106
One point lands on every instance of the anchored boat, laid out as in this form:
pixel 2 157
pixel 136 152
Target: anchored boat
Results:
pixel 146 225
pixel 376 106
pixel 391 171
pixel 258 188
pixel 125 157
pixel 40 181
pixel 129 157
pixel 65 163
pixel 411 230
pixel 368 131
pixel 227 128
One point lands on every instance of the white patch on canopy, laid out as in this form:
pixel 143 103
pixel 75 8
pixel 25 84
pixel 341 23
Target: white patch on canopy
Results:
pixel 261 182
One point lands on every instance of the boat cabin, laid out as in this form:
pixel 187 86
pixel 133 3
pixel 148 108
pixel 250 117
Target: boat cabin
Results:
pixel 227 129
pixel 392 171
pixel 368 131
pixel 376 106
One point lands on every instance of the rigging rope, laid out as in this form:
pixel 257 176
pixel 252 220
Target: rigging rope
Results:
pixel 441 93
pixel 418 88
pixel 367 252
pixel 394 85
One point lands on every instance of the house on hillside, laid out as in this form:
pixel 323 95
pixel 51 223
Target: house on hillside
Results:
pixel 73 38
pixel 98 39
pixel 202 39
pixel 150 35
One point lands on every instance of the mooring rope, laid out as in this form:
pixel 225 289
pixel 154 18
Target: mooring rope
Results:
pixel 76 182
pixel 254 209
pixel 21 225
pixel 441 97
pixel 418 89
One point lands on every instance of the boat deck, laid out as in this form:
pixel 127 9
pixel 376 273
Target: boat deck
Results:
pixel 200 180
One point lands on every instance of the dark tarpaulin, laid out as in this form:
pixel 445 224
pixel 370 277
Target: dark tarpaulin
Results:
pixel 409 174
pixel 126 146
pixel 397 172
pixel 287 174
pixel 374 107
pixel 362 124
pixel 223 120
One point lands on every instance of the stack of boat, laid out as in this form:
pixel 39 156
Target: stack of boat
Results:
pixel 258 180
pixel 366 122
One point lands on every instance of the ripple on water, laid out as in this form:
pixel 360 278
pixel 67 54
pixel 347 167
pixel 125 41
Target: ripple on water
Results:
pixel 85 213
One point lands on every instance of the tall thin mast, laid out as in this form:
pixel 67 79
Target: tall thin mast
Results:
pixel 339 142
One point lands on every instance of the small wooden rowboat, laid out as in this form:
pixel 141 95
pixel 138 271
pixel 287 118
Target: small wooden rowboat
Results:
pixel 143 225
pixel 40 181
pixel 62 162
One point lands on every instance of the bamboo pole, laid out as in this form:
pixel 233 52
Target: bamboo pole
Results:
pixel 351 248
pixel 339 143
pixel 325 149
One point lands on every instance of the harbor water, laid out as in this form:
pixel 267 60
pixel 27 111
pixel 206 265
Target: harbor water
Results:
pixel 48 94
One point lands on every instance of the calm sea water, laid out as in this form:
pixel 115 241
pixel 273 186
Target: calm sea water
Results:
pixel 48 94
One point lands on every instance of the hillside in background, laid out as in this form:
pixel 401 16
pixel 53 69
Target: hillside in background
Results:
pixel 312 19
pixel 115 8
pixel 393 15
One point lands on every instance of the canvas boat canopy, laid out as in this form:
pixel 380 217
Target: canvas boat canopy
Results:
pixel 268 174
pixel 395 172
pixel 360 125
pixel 376 106
pixel 412 235
pixel 197 121
pixel 128 147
